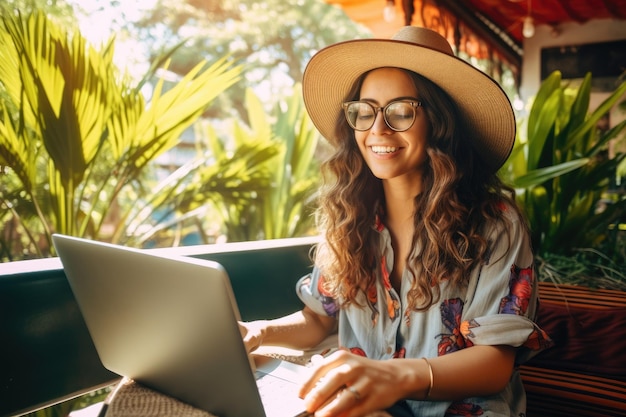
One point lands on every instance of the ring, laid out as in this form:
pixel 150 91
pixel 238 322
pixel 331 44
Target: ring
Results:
pixel 355 392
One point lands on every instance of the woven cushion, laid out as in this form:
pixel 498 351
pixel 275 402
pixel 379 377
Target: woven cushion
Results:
pixel 588 328
pixel 553 393
pixel 584 374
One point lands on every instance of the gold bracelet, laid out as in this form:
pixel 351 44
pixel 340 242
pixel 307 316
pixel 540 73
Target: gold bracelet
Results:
pixel 430 385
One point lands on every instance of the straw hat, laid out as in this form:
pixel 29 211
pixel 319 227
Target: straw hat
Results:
pixel 484 107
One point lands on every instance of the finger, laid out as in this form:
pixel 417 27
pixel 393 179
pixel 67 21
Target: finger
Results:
pixel 319 372
pixel 326 387
pixel 242 329
pixel 250 338
pixel 355 393
pixel 321 368
pixel 345 400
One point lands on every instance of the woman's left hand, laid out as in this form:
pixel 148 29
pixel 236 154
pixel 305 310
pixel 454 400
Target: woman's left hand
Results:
pixel 349 385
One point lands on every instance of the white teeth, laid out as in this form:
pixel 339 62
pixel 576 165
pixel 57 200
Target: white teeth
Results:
pixel 384 149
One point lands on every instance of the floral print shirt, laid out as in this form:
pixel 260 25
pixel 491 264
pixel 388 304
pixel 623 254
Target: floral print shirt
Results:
pixel 496 308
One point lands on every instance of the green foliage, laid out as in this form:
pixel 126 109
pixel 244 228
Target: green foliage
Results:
pixel 561 171
pixel 58 11
pixel 288 206
pixel 282 205
pixel 63 409
pixel 76 138
pixel 587 267
pixel 273 39
pixel 218 183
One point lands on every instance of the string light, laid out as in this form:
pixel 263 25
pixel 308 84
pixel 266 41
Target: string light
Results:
pixel 528 28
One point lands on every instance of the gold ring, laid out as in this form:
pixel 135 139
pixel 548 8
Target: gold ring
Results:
pixel 355 392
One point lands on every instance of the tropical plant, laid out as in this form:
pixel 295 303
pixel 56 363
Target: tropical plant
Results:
pixel 561 175
pixel 288 206
pixel 64 408
pixel 284 207
pixel 273 39
pixel 76 138
pixel 213 186
pixel 59 11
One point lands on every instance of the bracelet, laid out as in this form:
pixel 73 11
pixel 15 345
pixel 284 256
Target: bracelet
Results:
pixel 430 385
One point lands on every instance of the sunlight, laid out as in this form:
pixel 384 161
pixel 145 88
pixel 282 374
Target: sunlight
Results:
pixel 98 22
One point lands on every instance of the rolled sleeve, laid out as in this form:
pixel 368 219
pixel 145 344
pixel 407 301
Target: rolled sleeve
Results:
pixel 310 290
pixel 507 329
pixel 503 297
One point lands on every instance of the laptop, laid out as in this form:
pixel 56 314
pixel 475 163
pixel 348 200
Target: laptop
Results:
pixel 170 323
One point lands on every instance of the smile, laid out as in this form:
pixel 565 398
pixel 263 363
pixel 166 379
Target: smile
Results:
pixel 383 149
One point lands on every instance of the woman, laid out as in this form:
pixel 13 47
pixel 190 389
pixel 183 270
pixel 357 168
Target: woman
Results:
pixel 426 270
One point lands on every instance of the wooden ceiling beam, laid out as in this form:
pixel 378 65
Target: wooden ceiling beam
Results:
pixel 490 32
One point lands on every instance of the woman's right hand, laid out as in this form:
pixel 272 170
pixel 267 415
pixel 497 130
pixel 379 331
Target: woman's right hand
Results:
pixel 303 329
pixel 253 334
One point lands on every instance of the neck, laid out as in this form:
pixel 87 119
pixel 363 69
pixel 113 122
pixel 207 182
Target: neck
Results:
pixel 399 201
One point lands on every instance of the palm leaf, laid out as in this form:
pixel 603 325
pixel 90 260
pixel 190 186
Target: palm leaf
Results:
pixel 563 177
pixel 170 113
pixel 609 135
pixel 592 121
pixel 543 129
pixel 16 150
pixel 541 175
pixel 74 131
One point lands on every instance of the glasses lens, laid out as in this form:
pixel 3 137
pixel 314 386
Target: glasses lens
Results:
pixel 400 115
pixel 360 115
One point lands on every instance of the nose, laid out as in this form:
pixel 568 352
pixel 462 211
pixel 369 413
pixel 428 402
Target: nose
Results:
pixel 380 126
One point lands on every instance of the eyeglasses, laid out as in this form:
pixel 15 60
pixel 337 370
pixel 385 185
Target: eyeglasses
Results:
pixel 399 115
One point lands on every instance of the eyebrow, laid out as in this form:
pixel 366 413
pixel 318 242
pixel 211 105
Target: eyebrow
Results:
pixel 371 100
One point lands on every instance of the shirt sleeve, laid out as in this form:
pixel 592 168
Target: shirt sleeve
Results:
pixel 311 291
pixel 502 297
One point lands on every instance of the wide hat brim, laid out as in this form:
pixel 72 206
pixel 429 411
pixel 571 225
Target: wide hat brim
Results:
pixel 486 112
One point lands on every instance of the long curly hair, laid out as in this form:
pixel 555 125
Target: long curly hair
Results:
pixel 459 197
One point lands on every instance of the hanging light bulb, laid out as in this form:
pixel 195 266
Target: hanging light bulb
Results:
pixel 528 30
pixel 389 12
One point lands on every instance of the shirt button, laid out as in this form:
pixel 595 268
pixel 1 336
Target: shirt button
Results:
pixel 389 350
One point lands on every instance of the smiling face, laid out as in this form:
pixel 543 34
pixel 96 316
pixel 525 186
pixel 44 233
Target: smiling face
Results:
pixel 391 155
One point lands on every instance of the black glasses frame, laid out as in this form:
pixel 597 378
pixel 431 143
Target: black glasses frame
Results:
pixel 414 104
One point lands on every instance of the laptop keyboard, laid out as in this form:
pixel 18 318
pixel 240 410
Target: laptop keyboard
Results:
pixel 279 397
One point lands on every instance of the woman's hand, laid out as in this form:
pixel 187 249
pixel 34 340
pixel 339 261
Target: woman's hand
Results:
pixel 348 385
pixel 301 330
pixel 253 334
